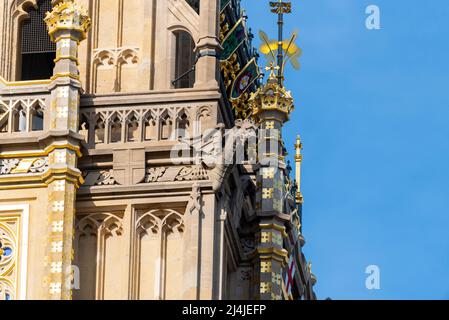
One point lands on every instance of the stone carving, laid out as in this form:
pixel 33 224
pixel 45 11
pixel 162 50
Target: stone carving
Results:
pixel 99 178
pixel 248 245
pixel 8 260
pixel 23 166
pixel 106 178
pixel 194 205
pixel 39 166
pixel 150 123
pixel 153 174
pixel 7 165
pixel 192 173
pixel 100 224
pixel 246 274
pixel 18 108
pixel 116 56
pixel 155 221
pixel 68 15
pixel 7 248
pixel 168 174
pixel 6 290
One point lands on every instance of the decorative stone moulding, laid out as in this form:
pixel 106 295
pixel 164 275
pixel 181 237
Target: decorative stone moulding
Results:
pixel 23 166
pixel 68 15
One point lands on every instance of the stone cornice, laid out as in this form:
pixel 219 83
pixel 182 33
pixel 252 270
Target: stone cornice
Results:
pixel 150 97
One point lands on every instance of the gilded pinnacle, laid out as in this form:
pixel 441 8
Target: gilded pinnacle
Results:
pixel 68 16
pixel 298 145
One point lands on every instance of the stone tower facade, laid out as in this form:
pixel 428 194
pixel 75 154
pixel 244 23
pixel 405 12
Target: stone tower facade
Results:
pixel 130 167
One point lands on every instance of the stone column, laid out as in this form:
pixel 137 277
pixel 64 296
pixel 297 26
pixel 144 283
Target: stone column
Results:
pixel 208 46
pixel 192 217
pixel 67 24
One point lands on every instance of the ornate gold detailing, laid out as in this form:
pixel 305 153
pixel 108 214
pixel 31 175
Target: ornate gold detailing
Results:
pixel 224 27
pixel 268 173
pixel 298 160
pixel 23 166
pixel 68 15
pixel 271 97
pixel 8 247
pixel 267 193
pixel 265 266
pixel 4 82
pixel 240 106
pixel 64 75
pixel 230 69
pixel 13 252
pixel 41 180
pixel 265 287
pixel 271 237
pixel 290 49
pixel 44 153
pixel 274 253
pixel 73 58
pixel 275 227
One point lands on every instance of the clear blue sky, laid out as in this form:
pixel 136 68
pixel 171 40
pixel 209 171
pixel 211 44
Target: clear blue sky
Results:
pixel 373 113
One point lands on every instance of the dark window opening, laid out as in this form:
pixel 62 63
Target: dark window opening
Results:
pixel 99 130
pixel 185 60
pixel 37 119
pixel 195 4
pixel 37 50
pixel 133 128
pixel 19 120
pixel 183 126
pixel 84 128
pixel 116 129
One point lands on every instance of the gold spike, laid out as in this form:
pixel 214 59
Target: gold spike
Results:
pixel 298 159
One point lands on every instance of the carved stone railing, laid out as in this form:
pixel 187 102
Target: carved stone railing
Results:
pixel 108 126
pixel 23 107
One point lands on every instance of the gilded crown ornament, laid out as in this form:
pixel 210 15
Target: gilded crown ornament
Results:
pixel 68 15
pixel 271 97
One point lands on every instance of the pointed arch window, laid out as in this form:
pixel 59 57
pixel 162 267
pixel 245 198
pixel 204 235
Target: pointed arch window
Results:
pixel 4 118
pixel 182 125
pixel 133 128
pixel 116 129
pixel 184 60
pixel 84 128
pixel 166 126
pixel 20 119
pixel 37 50
pixel 150 131
pixel 99 130
pixel 37 118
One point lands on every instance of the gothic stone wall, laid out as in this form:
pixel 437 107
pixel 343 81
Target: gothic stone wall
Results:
pixel 129 40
